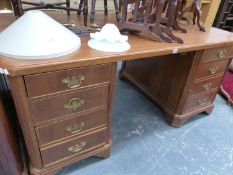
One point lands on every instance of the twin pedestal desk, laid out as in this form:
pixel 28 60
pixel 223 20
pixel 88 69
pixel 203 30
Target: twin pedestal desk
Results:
pixel 64 105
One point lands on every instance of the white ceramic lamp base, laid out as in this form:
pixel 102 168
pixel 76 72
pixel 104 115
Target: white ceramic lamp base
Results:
pixel 107 46
pixel 109 39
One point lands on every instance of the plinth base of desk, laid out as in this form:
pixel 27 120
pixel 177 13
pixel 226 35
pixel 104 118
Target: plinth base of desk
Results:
pixel 56 167
pixel 173 118
pixel 166 81
pixel 177 120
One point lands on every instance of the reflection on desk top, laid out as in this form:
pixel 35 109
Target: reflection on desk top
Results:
pixel 140 48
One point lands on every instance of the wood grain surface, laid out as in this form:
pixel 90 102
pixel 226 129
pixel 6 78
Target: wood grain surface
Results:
pixel 140 48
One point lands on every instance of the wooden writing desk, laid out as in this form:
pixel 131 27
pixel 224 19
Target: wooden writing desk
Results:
pixel 65 120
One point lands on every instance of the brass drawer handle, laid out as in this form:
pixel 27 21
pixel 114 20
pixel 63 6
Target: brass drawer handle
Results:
pixel 73 82
pixel 222 53
pixel 202 101
pixel 73 104
pixel 75 128
pixel 77 148
pixel 207 86
pixel 213 69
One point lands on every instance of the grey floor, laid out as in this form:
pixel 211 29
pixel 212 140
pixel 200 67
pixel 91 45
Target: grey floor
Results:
pixel 144 144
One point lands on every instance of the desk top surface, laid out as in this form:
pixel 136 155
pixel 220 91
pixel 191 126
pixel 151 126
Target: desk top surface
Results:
pixel 140 48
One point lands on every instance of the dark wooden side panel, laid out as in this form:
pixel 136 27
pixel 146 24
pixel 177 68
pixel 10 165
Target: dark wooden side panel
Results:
pixel 164 77
pixel 10 158
pixel 24 115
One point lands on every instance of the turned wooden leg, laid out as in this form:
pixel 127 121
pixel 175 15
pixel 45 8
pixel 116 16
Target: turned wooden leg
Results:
pixel 80 7
pixel 105 7
pixel 18 6
pixel 68 6
pixel 198 13
pixel 170 15
pixel 156 28
pixel 194 18
pixel 117 9
pixel 176 25
pixel 120 5
pixel 85 12
pixel 92 17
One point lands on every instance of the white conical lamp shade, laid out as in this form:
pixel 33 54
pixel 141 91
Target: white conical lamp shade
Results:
pixel 37 36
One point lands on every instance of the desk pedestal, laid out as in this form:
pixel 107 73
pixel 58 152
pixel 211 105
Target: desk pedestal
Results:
pixel 183 84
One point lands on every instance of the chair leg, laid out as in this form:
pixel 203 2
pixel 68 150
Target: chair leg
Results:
pixel 105 7
pixel 92 17
pixel 120 5
pixel 80 7
pixel 18 7
pixel 85 11
pixel 197 12
pixel 68 6
pixel 117 9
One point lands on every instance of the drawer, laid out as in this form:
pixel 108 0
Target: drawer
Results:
pixel 212 68
pixel 200 101
pixel 218 54
pixel 69 127
pixel 46 83
pixel 73 147
pixel 68 103
pixel 205 86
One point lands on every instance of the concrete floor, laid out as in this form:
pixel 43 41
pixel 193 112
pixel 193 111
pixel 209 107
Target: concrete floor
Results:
pixel 144 144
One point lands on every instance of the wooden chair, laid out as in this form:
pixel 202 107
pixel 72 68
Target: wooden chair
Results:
pixel 19 10
pixel 148 19
pixel 196 9
pixel 93 2
pixel 41 5
pixel 171 19
pixel 224 17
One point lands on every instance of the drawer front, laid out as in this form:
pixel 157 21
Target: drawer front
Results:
pixel 212 68
pixel 205 86
pixel 46 83
pixel 74 147
pixel 200 101
pixel 218 54
pixel 70 127
pixel 68 103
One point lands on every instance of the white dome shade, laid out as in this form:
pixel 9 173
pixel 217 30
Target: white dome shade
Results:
pixel 35 35
pixel 109 39
pixel 109 32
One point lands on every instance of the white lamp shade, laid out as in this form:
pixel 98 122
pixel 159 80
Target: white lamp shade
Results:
pixel 35 35
pixel 109 39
